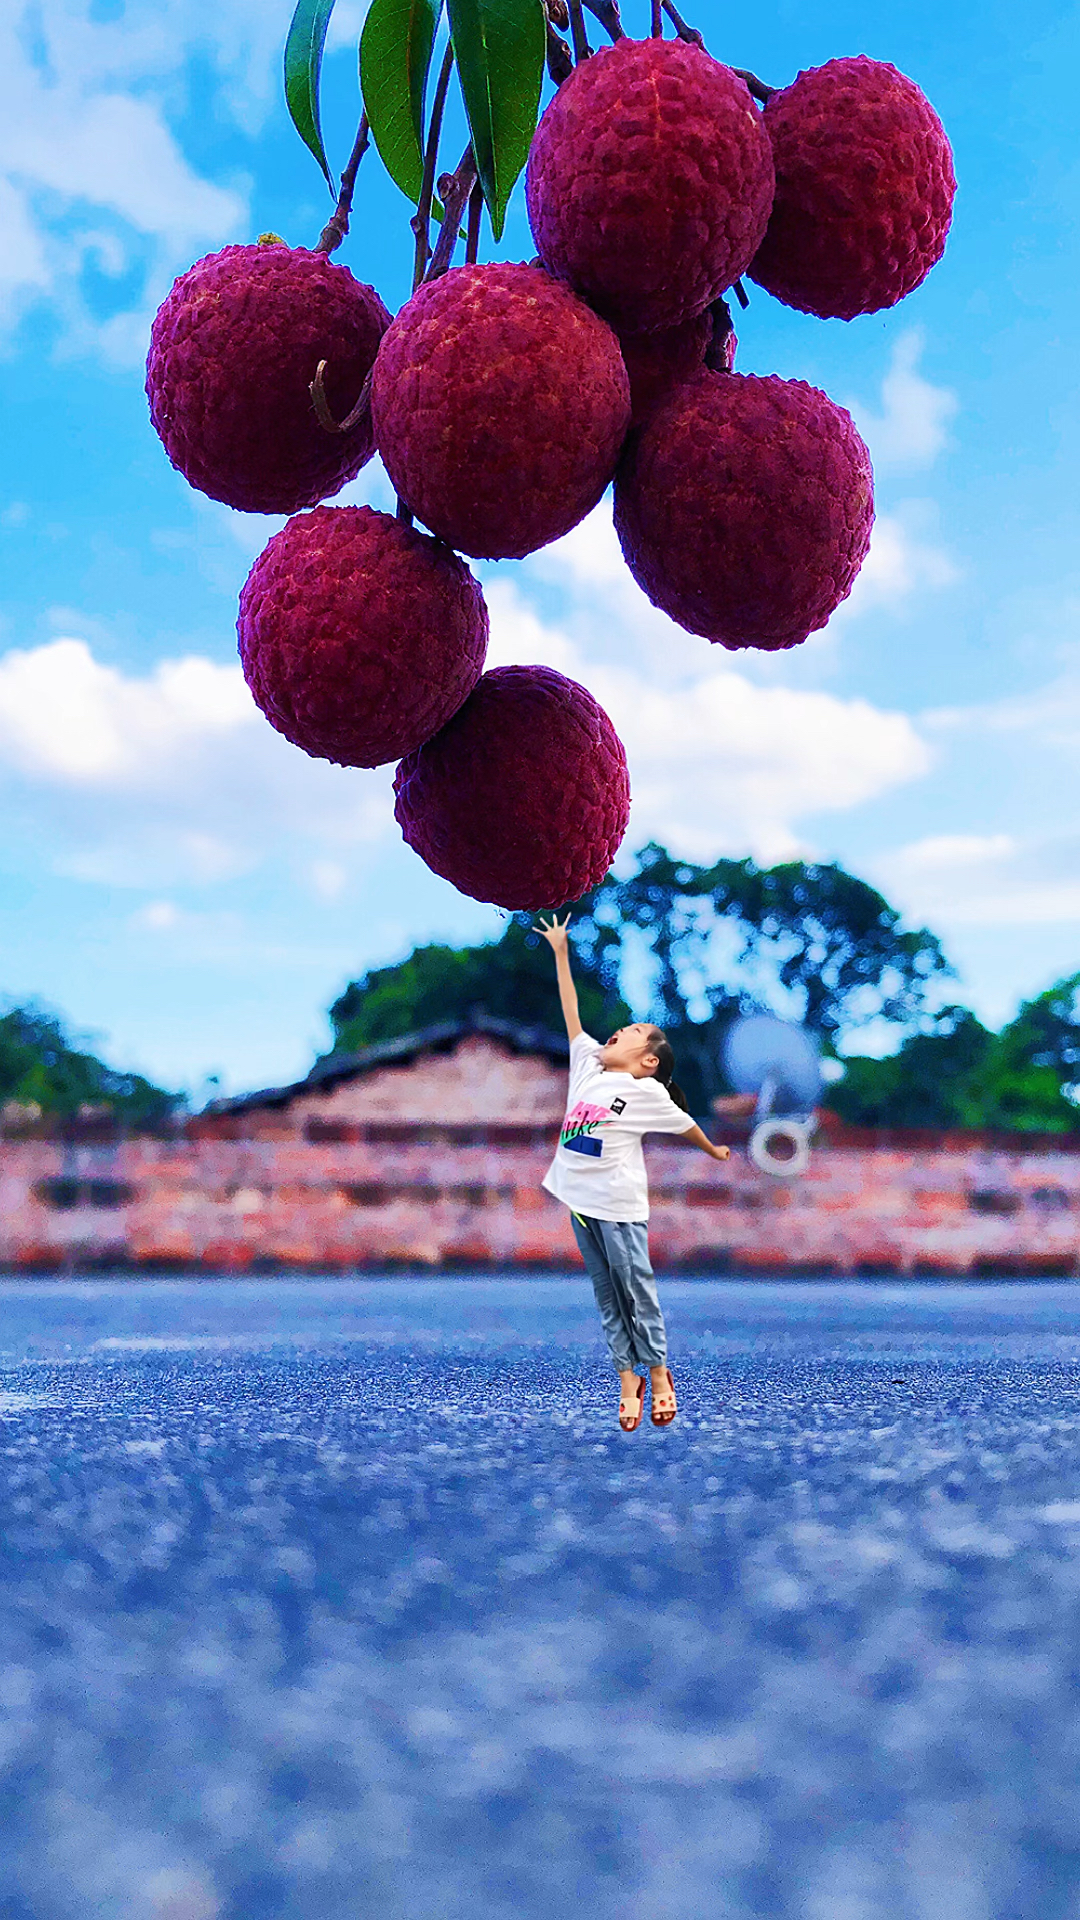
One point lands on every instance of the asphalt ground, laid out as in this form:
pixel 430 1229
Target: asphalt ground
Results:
pixel 328 1600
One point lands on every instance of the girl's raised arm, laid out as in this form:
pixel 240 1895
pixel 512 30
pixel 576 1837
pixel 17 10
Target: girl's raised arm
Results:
pixel 558 940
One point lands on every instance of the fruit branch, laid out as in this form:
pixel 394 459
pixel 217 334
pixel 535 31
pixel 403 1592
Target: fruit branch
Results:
pixel 421 220
pixel 757 87
pixel 472 237
pixel 578 35
pixel 455 189
pixel 560 61
pixel 317 390
pixel 657 20
pixel 607 12
pixel 337 226
pixel 684 31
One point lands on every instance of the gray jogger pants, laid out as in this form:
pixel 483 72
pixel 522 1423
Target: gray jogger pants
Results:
pixel 616 1256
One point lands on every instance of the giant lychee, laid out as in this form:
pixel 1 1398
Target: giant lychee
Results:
pixel 233 350
pixel 864 190
pixel 744 508
pixel 523 797
pixel 500 405
pixel 649 182
pixel 359 636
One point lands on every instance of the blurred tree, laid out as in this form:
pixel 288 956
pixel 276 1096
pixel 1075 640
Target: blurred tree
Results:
pixel 40 1066
pixel 512 978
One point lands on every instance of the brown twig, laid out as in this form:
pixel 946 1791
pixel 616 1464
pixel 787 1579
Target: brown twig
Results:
pixel 757 87
pixel 657 20
pixel 454 190
pixel 337 226
pixel 607 12
pixel 578 34
pixel 421 220
pixel 560 61
pixel 472 236
pixel 684 31
pixel 321 404
pixel 741 295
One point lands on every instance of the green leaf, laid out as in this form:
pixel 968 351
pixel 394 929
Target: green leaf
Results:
pixel 395 55
pixel 303 62
pixel 499 46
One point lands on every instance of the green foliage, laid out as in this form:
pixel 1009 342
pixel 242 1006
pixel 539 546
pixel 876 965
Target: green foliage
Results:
pixel 960 1075
pixel 499 47
pixel 303 66
pixel 395 58
pixel 38 1064
pixel 511 979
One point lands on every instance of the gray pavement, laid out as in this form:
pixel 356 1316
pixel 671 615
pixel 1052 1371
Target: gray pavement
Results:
pixel 328 1600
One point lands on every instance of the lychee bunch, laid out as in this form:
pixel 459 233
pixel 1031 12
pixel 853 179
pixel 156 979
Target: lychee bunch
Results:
pixel 500 404
pixel 864 190
pixel 524 797
pixel 744 508
pixel 649 182
pixel 233 351
pixel 359 636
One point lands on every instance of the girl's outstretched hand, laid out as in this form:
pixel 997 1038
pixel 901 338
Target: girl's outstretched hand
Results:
pixel 555 934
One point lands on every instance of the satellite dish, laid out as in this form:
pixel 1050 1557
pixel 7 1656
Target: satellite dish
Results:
pixel 780 1065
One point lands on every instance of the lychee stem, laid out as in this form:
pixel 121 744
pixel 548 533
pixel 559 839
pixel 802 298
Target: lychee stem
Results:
pixel 337 226
pixel 722 329
pixel 657 20
pixel 741 295
pixel 757 87
pixel 317 390
pixel 421 220
pixel 578 35
pixel 684 31
pixel 560 61
pixel 472 238
pixel 455 189
pixel 607 12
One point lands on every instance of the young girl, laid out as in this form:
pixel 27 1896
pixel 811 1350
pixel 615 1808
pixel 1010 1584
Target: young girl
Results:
pixel 618 1092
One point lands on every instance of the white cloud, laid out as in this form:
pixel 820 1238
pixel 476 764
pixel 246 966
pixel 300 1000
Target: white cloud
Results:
pixel 169 777
pixel 912 426
pixel 717 762
pixel 997 879
pixel 91 172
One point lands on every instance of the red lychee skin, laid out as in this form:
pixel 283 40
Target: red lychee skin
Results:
pixel 500 405
pixel 524 797
pixel 359 636
pixel 659 362
pixel 864 190
pixel 744 508
pixel 232 351
pixel 649 182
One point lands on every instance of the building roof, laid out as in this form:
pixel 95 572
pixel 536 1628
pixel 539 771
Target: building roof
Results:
pixel 336 1067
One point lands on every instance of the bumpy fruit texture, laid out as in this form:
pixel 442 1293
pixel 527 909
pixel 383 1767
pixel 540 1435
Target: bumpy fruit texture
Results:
pixel 744 508
pixel 232 352
pixel 659 362
pixel 359 636
pixel 864 190
pixel 649 182
pixel 500 405
pixel 524 797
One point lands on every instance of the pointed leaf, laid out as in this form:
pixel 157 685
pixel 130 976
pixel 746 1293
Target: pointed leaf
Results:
pixel 499 46
pixel 303 63
pixel 395 55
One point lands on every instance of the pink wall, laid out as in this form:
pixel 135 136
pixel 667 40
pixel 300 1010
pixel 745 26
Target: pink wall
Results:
pixel 440 1161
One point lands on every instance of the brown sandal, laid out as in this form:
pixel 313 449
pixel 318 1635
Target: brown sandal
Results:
pixel 665 1419
pixel 630 1422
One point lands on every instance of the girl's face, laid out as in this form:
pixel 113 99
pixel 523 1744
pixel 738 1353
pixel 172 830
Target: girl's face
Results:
pixel 628 1051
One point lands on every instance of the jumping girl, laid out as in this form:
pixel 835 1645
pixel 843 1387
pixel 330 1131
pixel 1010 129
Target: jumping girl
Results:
pixel 618 1092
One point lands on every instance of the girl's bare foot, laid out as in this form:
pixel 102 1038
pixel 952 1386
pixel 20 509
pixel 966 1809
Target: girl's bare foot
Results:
pixel 664 1404
pixel 631 1401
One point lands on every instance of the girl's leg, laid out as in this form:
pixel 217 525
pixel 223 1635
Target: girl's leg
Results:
pixel 609 1298
pixel 626 1245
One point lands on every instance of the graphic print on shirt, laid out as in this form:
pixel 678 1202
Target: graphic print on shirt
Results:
pixel 579 1129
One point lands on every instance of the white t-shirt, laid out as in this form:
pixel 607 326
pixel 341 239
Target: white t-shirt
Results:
pixel 599 1168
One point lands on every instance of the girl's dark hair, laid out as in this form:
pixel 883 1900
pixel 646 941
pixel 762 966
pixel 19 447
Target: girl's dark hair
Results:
pixel 657 1042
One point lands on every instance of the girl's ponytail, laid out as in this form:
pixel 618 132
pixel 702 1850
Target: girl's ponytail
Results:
pixel 659 1044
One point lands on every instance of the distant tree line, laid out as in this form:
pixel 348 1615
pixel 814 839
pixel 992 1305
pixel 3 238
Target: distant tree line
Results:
pixel 691 946
pixel 41 1068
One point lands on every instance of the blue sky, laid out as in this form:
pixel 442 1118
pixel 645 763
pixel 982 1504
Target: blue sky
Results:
pixel 191 890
